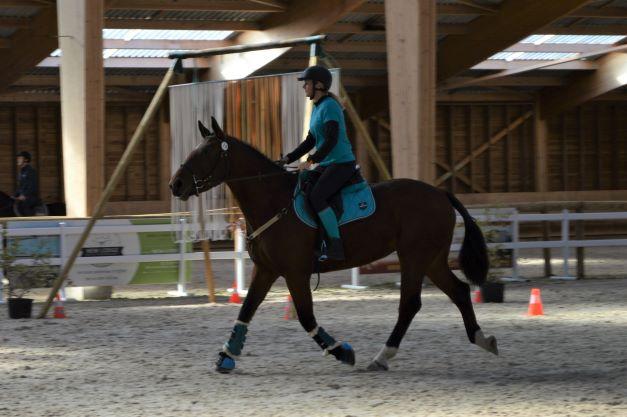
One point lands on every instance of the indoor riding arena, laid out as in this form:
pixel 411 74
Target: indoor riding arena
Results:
pixel 313 208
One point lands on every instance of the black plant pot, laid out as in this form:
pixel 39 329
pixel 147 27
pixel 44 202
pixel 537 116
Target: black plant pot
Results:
pixel 492 292
pixel 20 308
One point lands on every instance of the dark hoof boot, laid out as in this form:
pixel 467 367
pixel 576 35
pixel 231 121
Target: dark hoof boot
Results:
pixel 225 364
pixel 334 252
pixel 344 353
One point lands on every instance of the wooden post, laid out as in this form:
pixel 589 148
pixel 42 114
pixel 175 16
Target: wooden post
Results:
pixel 211 291
pixel 411 47
pixel 541 150
pixel 153 107
pixel 82 102
pixel 546 252
pixel 579 235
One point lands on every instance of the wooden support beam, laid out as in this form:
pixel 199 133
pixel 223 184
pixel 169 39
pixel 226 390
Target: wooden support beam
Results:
pixel 302 18
pixel 530 81
pixel 195 5
pixel 411 43
pixel 537 66
pixel 110 80
pixel 541 150
pixel 462 178
pixel 82 105
pixel 600 12
pixel 29 47
pixel 111 23
pixel 490 34
pixel 519 67
pixel 483 147
pixel 163 44
pixel 586 30
pixel 610 75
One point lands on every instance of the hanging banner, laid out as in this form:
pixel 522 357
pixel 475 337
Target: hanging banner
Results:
pixel 114 244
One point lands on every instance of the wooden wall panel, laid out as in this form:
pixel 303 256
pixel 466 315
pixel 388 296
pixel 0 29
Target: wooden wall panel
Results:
pixel 36 128
pixel 588 148
pixel 504 166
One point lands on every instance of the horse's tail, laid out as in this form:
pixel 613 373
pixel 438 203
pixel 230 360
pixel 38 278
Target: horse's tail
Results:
pixel 473 257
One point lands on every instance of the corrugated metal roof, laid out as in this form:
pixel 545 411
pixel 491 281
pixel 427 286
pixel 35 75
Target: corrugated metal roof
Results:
pixel 456 19
pixel 129 14
pixel 356 18
pixel 532 56
pixel 145 34
pixel 208 15
pixel 568 39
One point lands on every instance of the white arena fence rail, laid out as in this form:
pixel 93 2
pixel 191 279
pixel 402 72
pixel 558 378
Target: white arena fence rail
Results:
pixel 240 254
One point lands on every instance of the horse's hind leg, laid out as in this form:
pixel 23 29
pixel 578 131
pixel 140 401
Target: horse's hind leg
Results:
pixel 303 302
pixel 412 273
pixel 459 292
pixel 261 282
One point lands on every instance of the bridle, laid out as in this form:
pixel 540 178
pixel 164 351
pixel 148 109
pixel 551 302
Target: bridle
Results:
pixel 204 183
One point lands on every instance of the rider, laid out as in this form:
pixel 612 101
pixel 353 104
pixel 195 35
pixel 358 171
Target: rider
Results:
pixel 334 154
pixel 26 193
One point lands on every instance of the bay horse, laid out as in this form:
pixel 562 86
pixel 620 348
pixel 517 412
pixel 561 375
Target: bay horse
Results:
pixel 412 218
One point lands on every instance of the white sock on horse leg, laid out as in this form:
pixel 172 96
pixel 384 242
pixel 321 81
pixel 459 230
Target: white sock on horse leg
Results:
pixel 384 355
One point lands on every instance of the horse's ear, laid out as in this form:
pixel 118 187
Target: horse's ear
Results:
pixel 203 130
pixel 217 129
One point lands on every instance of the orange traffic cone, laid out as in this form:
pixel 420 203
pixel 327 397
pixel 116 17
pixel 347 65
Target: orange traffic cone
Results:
pixel 535 303
pixel 476 296
pixel 235 298
pixel 59 311
pixel 290 310
pixel 233 286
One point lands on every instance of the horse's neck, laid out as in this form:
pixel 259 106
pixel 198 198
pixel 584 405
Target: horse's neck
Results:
pixel 259 198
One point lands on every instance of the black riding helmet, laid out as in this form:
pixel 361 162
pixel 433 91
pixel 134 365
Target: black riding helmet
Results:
pixel 318 73
pixel 25 155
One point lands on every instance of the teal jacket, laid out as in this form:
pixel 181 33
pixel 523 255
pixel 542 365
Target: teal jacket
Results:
pixel 327 132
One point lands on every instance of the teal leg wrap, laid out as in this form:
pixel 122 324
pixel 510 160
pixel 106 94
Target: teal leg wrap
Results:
pixel 236 342
pixel 329 221
pixel 323 339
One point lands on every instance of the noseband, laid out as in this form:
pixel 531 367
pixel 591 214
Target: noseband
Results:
pixel 201 183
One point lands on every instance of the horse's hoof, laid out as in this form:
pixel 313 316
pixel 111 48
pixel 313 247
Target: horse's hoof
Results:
pixel 225 364
pixel 377 366
pixel 487 343
pixel 344 353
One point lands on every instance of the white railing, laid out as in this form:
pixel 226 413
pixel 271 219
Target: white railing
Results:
pixel 63 231
pixel 240 254
pixel 565 243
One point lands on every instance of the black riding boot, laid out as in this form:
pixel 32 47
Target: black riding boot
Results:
pixel 334 250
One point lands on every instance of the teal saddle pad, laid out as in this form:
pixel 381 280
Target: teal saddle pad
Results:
pixel 357 199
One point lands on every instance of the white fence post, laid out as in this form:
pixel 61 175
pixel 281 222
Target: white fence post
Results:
pixel 515 226
pixel 240 282
pixel 180 286
pixel 62 255
pixel 565 248
pixel 2 266
pixel 354 285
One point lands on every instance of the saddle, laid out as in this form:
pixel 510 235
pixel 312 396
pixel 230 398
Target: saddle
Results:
pixel 352 202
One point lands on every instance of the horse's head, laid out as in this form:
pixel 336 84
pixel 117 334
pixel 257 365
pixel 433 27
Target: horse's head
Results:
pixel 205 167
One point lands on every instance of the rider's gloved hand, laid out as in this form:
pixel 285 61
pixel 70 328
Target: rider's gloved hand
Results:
pixel 283 161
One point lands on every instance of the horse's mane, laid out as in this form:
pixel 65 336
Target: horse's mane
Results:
pixel 258 153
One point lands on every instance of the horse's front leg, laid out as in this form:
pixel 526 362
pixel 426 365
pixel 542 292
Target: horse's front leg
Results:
pixel 301 295
pixel 262 280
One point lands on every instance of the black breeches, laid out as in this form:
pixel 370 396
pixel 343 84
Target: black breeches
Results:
pixel 331 180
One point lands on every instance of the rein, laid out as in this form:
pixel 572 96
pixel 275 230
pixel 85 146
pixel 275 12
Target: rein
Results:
pixel 199 184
